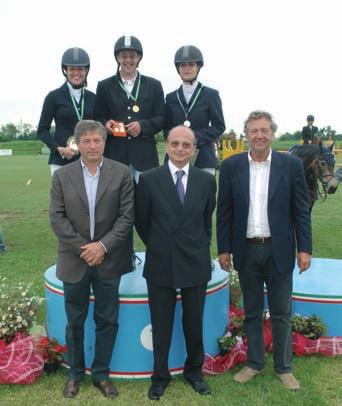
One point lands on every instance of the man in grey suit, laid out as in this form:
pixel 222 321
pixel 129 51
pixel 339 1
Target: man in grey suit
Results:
pixel 92 214
pixel 174 205
pixel 262 215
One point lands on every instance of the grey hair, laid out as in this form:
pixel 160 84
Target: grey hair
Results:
pixel 89 126
pixel 258 114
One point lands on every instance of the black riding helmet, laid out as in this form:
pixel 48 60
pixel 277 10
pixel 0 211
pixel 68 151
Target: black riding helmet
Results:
pixel 75 57
pixel 189 53
pixel 130 43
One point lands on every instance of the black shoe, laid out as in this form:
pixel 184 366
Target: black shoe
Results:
pixel 71 388
pixel 107 389
pixel 155 392
pixel 200 387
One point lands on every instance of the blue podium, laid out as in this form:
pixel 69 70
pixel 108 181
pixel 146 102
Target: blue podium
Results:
pixel 319 291
pixel 132 356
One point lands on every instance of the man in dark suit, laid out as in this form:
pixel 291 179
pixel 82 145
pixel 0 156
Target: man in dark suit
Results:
pixel 174 205
pixel 262 214
pixel 135 101
pixel 92 214
pixel 309 131
pixel 196 106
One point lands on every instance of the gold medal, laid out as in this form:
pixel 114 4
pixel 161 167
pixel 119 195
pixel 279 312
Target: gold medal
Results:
pixel 187 123
pixel 136 108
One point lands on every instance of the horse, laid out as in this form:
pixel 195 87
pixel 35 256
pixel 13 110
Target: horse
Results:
pixel 319 163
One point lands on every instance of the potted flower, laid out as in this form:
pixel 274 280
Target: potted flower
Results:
pixel 227 342
pixel 18 310
pixel 52 353
pixel 311 327
pixel 20 363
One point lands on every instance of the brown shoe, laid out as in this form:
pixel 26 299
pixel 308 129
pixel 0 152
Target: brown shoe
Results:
pixel 71 388
pixel 289 381
pixel 107 388
pixel 246 374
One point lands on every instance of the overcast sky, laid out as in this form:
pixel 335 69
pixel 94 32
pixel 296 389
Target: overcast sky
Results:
pixel 280 56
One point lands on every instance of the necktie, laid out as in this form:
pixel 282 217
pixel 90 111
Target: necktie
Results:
pixel 180 186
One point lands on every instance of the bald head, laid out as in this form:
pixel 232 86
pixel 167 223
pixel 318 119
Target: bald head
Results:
pixel 182 129
pixel 181 145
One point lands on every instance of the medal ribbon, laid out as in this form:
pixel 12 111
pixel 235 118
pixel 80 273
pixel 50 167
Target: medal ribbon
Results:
pixel 188 110
pixel 129 94
pixel 79 116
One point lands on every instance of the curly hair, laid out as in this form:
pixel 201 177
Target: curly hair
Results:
pixel 257 115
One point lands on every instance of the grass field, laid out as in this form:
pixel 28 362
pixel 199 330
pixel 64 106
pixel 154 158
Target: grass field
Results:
pixel 32 249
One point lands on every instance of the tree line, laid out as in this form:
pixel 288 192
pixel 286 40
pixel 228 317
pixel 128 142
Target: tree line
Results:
pixel 325 134
pixel 12 132
pixel 25 131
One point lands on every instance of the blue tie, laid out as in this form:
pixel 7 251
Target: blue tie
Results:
pixel 180 186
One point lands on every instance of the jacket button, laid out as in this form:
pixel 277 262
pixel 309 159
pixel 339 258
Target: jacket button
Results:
pixel 129 137
pixel 129 117
pixel 128 107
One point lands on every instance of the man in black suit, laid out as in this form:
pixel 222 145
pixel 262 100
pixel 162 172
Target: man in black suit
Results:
pixel 262 215
pixel 134 101
pixel 309 131
pixel 174 206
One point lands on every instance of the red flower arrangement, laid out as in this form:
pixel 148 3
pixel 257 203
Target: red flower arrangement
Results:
pixel 51 350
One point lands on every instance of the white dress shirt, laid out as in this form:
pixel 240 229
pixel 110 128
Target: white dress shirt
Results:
pixel 77 93
pixel 91 182
pixel 188 90
pixel 173 169
pixel 128 83
pixel 259 175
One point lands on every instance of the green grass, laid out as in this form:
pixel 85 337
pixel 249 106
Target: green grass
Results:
pixel 32 249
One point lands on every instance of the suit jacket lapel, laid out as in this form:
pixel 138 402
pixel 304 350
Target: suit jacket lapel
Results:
pixel 168 188
pixel 76 176
pixel 104 180
pixel 181 97
pixel 242 176
pixel 276 172
pixel 118 91
pixel 190 193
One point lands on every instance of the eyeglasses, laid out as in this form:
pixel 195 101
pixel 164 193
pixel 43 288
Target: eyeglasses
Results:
pixel 177 144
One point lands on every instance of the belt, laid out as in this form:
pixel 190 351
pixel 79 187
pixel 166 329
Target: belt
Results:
pixel 258 240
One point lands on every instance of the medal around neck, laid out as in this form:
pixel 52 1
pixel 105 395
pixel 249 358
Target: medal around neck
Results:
pixel 187 123
pixel 136 108
pixel 71 143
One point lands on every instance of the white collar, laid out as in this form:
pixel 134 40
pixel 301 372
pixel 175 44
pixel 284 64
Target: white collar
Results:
pixel 190 88
pixel 173 168
pixel 267 161
pixel 129 82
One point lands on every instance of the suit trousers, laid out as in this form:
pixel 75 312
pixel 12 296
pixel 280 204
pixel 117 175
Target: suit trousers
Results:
pixel 258 268
pixel 106 311
pixel 162 302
